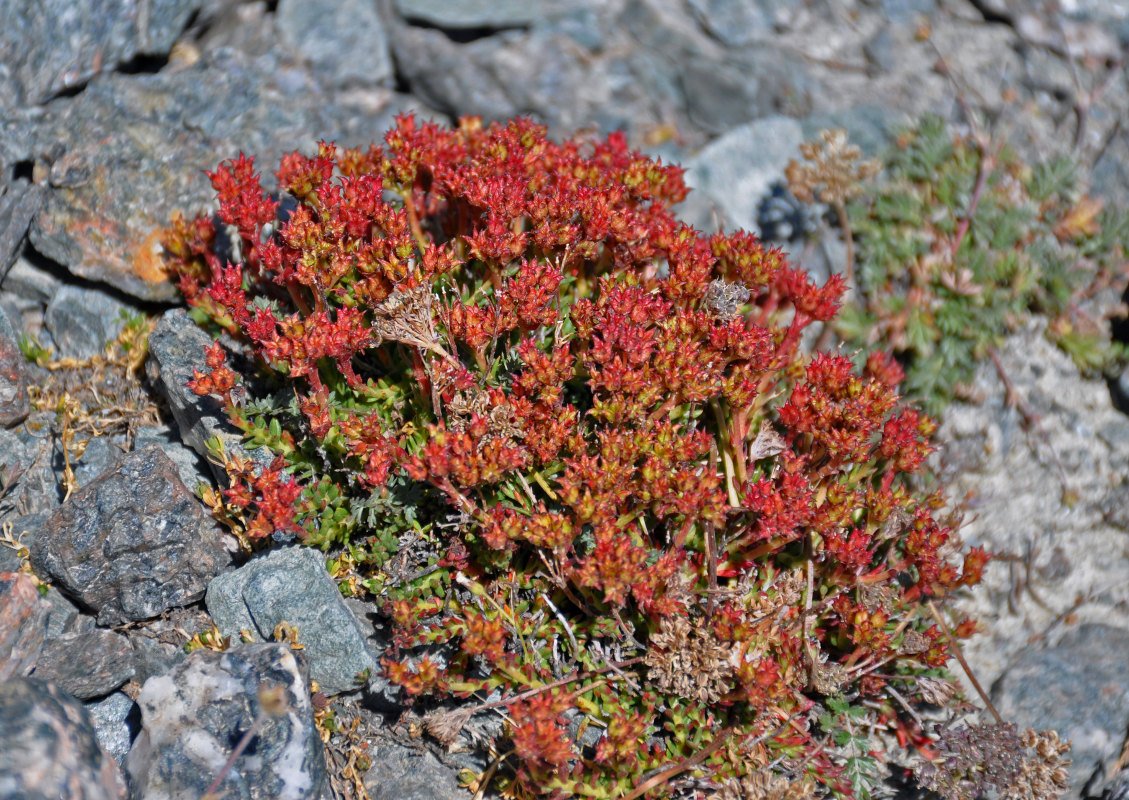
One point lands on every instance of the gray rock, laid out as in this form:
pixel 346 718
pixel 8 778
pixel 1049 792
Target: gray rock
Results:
pixel 738 23
pixel 343 40
pixel 18 206
pixel 14 402
pixel 86 665
pixel 153 657
pixel 906 12
pixel 176 350
pixel 31 283
pixel 291 585
pixel 194 716
pixel 48 748
pixel 409 773
pixel 736 170
pixel 116 721
pixel 98 456
pixel 49 47
pixel 65 617
pixel 871 127
pixel 23 625
pixel 132 543
pixel 462 14
pixel 131 149
pixel 448 77
pixel 881 51
pixel 1080 688
pixel 82 321
pixel 191 467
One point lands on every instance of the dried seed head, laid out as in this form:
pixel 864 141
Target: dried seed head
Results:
pixel 725 299
pixel 764 785
pixel 446 726
pixel 689 661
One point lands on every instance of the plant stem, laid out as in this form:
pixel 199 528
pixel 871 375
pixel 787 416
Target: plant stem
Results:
pixel 955 648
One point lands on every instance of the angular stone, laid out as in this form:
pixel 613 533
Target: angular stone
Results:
pixel 1080 688
pixel 23 625
pixel 86 665
pixel 190 465
pixel 176 350
pixel 130 150
pixel 18 206
pixel 14 402
pixel 343 40
pixel 116 720
pixel 82 321
pixel 132 543
pixel 48 748
pixel 409 773
pixel 195 715
pixel 49 46
pixel 291 585
pixel 463 14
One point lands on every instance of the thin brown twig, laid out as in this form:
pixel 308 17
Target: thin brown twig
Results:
pixel 956 651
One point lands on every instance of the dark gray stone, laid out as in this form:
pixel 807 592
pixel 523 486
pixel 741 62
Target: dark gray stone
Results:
pixel 463 14
pixel 176 350
pixel 86 665
pixel 153 656
pixel 447 77
pixel 31 283
pixel 131 149
pixel 18 206
pixel 116 721
pixel 14 402
pixel 1080 688
pixel 132 543
pixel 82 321
pixel 344 40
pixel 48 748
pixel 191 467
pixel 98 456
pixel 195 715
pixel 65 617
pixel 23 625
pixel 738 23
pixel 48 47
pixel 409 773
pixel 291 585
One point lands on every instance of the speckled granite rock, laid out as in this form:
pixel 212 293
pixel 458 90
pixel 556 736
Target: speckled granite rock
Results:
pixel 23 625
pixel 48 749
pixel 195 715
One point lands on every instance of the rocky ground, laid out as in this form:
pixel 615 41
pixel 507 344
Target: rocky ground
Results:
pixel 109 113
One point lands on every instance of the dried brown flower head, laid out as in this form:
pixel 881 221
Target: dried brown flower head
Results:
pixel 976 758
pixel 405 316
pixel 832 170
pixel 725 299
pixel 764 785
pixel 688 661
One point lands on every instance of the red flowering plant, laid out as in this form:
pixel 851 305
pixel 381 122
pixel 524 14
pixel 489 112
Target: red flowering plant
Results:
pixel 575 448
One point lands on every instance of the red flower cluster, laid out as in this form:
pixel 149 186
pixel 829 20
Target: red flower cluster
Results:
pixel 613 407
